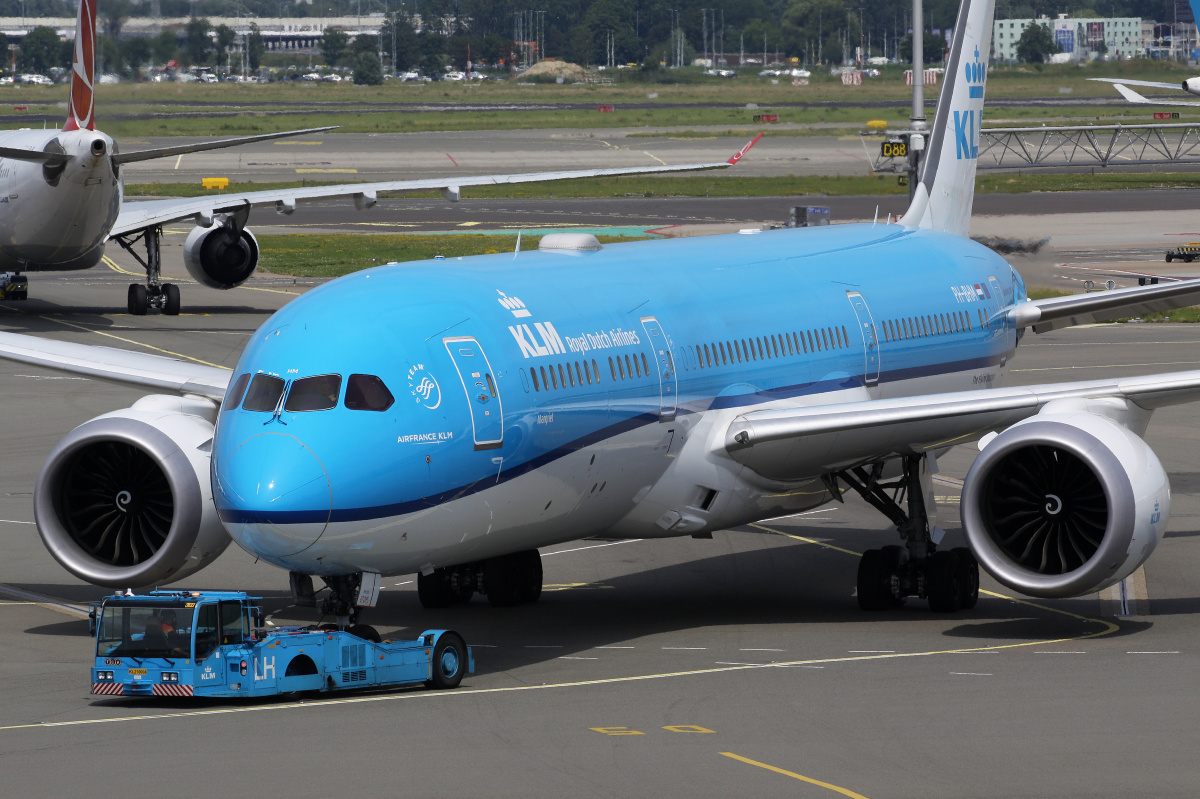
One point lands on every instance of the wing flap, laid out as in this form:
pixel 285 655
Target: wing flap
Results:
pixel 807 442
pixel 118 366
pixel 1103 306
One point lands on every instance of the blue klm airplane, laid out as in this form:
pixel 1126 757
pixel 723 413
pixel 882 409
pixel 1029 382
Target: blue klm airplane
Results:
pixel 450 417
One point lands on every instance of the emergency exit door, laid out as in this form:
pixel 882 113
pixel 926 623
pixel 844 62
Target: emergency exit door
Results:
pixel 866 326
pixel 668 383
pixel 483 395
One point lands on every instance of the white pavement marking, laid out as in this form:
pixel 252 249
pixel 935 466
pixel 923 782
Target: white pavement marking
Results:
pixel 1058 653
pixel 971 674
pixel 15 521
pixel 615 647
pixel 48 602
pixel 543 646
pixel 597 546
pixel 760 650
pixel 568 657
pixel 690 648
pixel 871 651
pixel 1175 652
pixel 406 582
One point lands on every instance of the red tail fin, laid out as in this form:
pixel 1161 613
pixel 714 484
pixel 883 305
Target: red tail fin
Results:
pixel 83 68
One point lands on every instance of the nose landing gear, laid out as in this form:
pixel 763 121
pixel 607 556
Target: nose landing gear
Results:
pixel 948 578
pixel 155 294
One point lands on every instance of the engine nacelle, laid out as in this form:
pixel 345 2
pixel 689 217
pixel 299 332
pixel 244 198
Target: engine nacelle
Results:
pixel 1192 85
pixel 125 499
pixel 218 258
pixel 1064 504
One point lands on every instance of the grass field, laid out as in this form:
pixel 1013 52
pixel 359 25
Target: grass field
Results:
pixel 728 185
pixel 197 109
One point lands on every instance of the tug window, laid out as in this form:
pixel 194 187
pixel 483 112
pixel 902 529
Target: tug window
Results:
pixel 318 393
pixel 264 393
pixel 368 393
pixel 233 397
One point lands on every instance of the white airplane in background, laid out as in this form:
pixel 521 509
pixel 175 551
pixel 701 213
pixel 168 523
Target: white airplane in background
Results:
pixel 62 198
pixel 1191 86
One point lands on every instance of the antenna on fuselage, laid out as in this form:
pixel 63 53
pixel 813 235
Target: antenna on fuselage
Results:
pixel 518 243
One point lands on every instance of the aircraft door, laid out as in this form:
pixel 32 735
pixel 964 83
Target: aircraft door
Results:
pixel 866 326
pixel 668 383
pixel 483 395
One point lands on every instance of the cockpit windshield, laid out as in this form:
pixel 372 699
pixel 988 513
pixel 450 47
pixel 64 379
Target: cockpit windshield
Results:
pixel 145 632
pixel 264 393
pixel 318 393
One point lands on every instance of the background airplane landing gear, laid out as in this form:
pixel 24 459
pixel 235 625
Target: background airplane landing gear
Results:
pixel 155 294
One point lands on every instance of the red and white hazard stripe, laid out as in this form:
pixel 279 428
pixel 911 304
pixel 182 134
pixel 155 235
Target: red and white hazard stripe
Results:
pixel 108 688
pixel 173 689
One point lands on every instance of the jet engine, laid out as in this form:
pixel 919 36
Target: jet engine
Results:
pixel 222 256
pixel 1192 85
pixel 1065 503
pixel 125 499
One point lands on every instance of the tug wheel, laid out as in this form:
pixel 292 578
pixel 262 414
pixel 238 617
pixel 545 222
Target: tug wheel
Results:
pixel 449 662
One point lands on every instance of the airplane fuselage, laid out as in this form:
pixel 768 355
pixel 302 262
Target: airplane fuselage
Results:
pixel 547 396
pixel 57 217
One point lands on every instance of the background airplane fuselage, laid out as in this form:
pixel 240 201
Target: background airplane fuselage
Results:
pixel 478 456
pixel 57 217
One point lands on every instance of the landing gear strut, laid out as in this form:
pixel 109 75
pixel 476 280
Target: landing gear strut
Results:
pixel 155 294
pixel 506 580
pixel 949 578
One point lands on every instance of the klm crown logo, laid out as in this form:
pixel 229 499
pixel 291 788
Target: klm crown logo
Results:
pixel 976 75
pixel 967 123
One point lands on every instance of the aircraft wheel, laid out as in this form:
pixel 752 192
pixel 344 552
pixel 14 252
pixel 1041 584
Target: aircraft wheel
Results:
pixel 434 590
pixel 366 632
pixel 969 575
pixel 943 581
pixel 1170 257
pixel 170 299
pixel 449 662
pixel 501 581
pixel 137 300
pixel 529 569
pixel 875 581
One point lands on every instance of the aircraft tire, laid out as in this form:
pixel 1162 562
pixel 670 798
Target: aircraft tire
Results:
pixel 969 575
pixel 895 555
pixel 137 300
pixel 501 581
pixel 874 578
pixel 943 581
pixel 530 570
pixel 449 662
pixel 170 299
pixel 434 590
pixel 366 632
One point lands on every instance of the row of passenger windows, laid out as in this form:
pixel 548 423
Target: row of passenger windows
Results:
pixel 780 345
pixel 938 324
pixel 318 393
pixel 580 373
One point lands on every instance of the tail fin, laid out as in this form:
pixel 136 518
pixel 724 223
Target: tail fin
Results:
pixel 947 188
pixel 83 68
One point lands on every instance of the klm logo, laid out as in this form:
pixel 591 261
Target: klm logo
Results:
pixel 967 123
pixel 1155 517
pixel 513 304
pixel 545 341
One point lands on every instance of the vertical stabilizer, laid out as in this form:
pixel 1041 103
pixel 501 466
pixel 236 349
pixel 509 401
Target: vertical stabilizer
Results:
pixel 947 187
pixel 83 70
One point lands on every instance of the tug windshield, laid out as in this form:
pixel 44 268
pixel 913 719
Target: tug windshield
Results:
pixel 145 631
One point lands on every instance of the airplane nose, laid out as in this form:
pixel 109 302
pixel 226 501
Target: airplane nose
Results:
pixel 273 495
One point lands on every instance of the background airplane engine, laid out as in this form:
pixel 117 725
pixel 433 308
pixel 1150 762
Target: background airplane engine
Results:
pixel 219 258
pixel 1065 504
pixel 1192 85
pixel 125 499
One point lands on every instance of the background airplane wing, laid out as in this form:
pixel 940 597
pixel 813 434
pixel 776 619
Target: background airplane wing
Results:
pixel 199 147
pixel 1152 84
pixel 118 366
pixel 801 442
pixel 1133 97
pixel 139 215
pixel 1102 306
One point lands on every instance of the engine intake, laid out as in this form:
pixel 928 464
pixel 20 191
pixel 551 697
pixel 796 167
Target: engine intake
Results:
pixel 219 257
pixel 124 501
pixel 1065 504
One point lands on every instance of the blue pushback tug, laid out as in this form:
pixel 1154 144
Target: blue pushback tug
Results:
pixel 213 643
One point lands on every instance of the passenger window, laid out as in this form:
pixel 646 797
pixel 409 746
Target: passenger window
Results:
pixel 824 340
pixel 233 397
pixel 318 393
pixel 595 371
pixel 368 393
pixel 562 379
pixel 553 379
pixel 724 360
pixel 532 373
pixel 264 393
pixel 629 368
pixel 645 365
pixel 700 356
pixel 743 353
pixel 545 380
pixel 845 337
pixel 612 368
pixel 579 375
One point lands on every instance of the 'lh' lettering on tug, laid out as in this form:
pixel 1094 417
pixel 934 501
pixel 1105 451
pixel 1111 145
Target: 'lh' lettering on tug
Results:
pixel 545 341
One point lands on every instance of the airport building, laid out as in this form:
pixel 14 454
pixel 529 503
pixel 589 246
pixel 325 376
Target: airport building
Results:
pixel 1079 39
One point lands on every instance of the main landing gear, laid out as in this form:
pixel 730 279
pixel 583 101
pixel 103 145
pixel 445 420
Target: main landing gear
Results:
pixel 155 294
pixel 506 580
pixel 948 578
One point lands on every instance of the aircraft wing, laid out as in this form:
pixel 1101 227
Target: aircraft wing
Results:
pixel 199 147
pixel 118 366
pixel 1150 84
pixel 139 215
pixel 1102 306
pixel 1133 97
pixel 801 442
